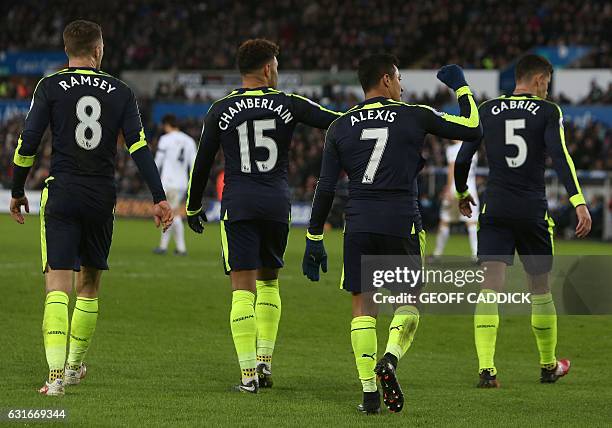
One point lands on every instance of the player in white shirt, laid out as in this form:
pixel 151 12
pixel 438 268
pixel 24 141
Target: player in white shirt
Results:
pixel 449 212
pixel 176 152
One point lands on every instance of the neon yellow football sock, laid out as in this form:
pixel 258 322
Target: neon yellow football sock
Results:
pixel 486 323
pixel 244 331
pixel 402 329
pixel 267 314
pixel 363 338
pixel 544 327
pixel 55 330
pixel 82 327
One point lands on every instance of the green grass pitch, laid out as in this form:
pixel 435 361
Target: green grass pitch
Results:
pixel 163 354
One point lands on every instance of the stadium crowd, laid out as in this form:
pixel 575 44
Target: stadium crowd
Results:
pixel 187 34
pixel 590 147
pixel 589 144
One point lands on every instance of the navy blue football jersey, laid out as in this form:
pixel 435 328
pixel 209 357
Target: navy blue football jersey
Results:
pixel 254 128
pixel 518 132
pixel 379 143
pixel 86 109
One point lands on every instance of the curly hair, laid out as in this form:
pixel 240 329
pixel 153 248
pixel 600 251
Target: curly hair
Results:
pixel 254 54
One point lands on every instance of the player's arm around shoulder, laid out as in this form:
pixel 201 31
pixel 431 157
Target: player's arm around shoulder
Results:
pixel 312 113
pixel 554 137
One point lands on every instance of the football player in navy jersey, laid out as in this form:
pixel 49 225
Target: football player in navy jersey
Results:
pixel 519 131
pixel 88 110
pixel 379 143
pixel 253 125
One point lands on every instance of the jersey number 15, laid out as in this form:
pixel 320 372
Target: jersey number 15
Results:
pixel 259 126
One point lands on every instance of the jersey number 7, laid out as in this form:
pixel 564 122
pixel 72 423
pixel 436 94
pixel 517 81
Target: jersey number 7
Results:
pixel 381 135
pixel 259 126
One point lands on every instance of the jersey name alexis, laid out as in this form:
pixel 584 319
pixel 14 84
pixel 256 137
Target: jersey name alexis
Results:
pixel 386 115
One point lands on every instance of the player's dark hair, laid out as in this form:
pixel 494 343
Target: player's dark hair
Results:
pixel 531 64
pixel 81 37
pixel 374 67
pixel 170 120
pixel 254 54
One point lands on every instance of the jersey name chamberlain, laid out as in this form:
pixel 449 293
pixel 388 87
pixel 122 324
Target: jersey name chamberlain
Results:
pixel 255 102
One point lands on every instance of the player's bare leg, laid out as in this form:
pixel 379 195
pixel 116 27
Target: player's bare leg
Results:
pixel 267 315
pixel 166 235
pixel 58 284
pixel 244 326
pixel 544 327
pixel 486 323
pixel 83 323
pixel 178 229
pixel 472 229
pixel 441 239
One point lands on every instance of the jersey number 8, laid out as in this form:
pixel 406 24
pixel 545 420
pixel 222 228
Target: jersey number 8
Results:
pixel 88 121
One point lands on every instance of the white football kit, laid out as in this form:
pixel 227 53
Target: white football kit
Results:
pixel 449 212
pixel 175 155
pixel 176 152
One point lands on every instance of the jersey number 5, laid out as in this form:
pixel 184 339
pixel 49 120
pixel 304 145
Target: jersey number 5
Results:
pixel 88 121
pixel 381 135
pixel 516 140
pixel 259 126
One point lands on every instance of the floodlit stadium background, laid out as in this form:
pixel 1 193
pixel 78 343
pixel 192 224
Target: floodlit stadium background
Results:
pixel 179 58
pixel 163 353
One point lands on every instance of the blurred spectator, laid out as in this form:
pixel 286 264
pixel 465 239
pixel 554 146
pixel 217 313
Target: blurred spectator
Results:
pixel 320 34
pixel 590 147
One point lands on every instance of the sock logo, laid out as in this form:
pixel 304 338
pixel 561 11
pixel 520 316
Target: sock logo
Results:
pixel 396 327
pixel 79 339
pixel 541 328
pixel 485 326
pixel 243 318
pixel 56 332
pixel 368 356
pixel 268 304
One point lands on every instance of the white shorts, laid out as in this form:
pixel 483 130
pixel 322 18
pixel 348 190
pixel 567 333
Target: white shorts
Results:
pixel 449 211
pixel 175 197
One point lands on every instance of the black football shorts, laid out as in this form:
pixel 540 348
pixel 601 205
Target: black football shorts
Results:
pixel 76 222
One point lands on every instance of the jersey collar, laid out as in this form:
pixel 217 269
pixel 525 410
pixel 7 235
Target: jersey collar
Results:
pixel 260 88
pixel 373 100
pixel 523 94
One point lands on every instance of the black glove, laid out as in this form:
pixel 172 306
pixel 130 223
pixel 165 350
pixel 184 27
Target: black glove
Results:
pixel 196 221
pixel 314 256
pixel 452 76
